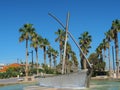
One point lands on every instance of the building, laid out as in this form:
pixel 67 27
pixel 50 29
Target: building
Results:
pixel 3 68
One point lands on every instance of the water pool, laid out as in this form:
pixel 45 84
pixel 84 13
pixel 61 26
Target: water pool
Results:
pixel 104 85
pixel 95 85
pixel 16 86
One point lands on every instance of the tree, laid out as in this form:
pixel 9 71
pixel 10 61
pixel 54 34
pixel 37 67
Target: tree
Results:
pixel 84 42
pixel 93 58
pixel 105 46
pixel 60 39
pixel 109 38
pixel 44 44
pixel 99 51
pixel 36 41
pixel 75 61
pixel 114 30
pixel 68 63
pixel 54 54
pixel 49 52
pixel 97 64
pixel 74 58
pixel 26 32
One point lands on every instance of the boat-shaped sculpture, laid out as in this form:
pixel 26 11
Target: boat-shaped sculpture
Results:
pixel 78 80
pixel 72 80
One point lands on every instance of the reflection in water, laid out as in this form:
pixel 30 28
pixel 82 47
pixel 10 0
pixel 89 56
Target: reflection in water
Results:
pixel 17 86
pixel 104 85
pixel 95 85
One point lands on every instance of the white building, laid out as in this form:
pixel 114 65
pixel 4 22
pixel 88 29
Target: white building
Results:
pixel 1 66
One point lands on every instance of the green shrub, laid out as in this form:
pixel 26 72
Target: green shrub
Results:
pixel 100 73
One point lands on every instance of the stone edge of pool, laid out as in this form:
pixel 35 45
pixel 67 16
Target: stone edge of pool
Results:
pixel 17 82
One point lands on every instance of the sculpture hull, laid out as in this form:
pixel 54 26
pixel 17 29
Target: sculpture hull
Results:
pixel 73 80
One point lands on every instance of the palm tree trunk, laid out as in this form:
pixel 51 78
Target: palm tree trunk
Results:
pixel 44 49
pixel 84 61
pixel 55 63
pixel 113 59
pixel 50 61
pixel 117 52
pixel 81 61
pixel 109 60
pixel 104 56
pixel 60 54
pixel 66 65
pixel 26 59
pixel 37 60
pixel 32 59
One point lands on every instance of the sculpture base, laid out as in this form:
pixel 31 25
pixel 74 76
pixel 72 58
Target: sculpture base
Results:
pixel 74 80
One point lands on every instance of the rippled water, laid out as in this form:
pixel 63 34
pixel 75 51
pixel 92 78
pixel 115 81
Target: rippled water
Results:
pixel 104 85
pixel 16 87
pixel 95 85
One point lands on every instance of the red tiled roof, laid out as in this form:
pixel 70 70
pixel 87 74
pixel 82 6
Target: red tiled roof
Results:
pixel 11 65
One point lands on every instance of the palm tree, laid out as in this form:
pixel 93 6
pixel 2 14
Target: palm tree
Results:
pixel 49 52
pixel 84 42
pixel 45 43
pixel 54 54
pixel 105 46
pixel 99 50
pixel 26 32
pixel 115 29
pixel 75 61
pixel 36 41
pixel 100 56
pixel 60 39
pixel 67 59
pixel 93 58
pixel 108 38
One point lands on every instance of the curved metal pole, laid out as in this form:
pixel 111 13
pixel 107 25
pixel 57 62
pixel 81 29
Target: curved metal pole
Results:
pixel 66 35
pixel 79 49
pixel 57 20
pixel 66 29
pixel 71 37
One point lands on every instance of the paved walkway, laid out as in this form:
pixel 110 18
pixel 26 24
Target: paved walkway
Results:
pixel 8 81
pixel 14 81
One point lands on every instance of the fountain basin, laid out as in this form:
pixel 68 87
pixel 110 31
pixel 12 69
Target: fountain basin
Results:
pixel 74 80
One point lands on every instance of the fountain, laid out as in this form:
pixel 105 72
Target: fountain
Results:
pixel 73 80
pixel 76 80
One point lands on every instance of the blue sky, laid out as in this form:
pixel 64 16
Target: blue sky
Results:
pixel 94 16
